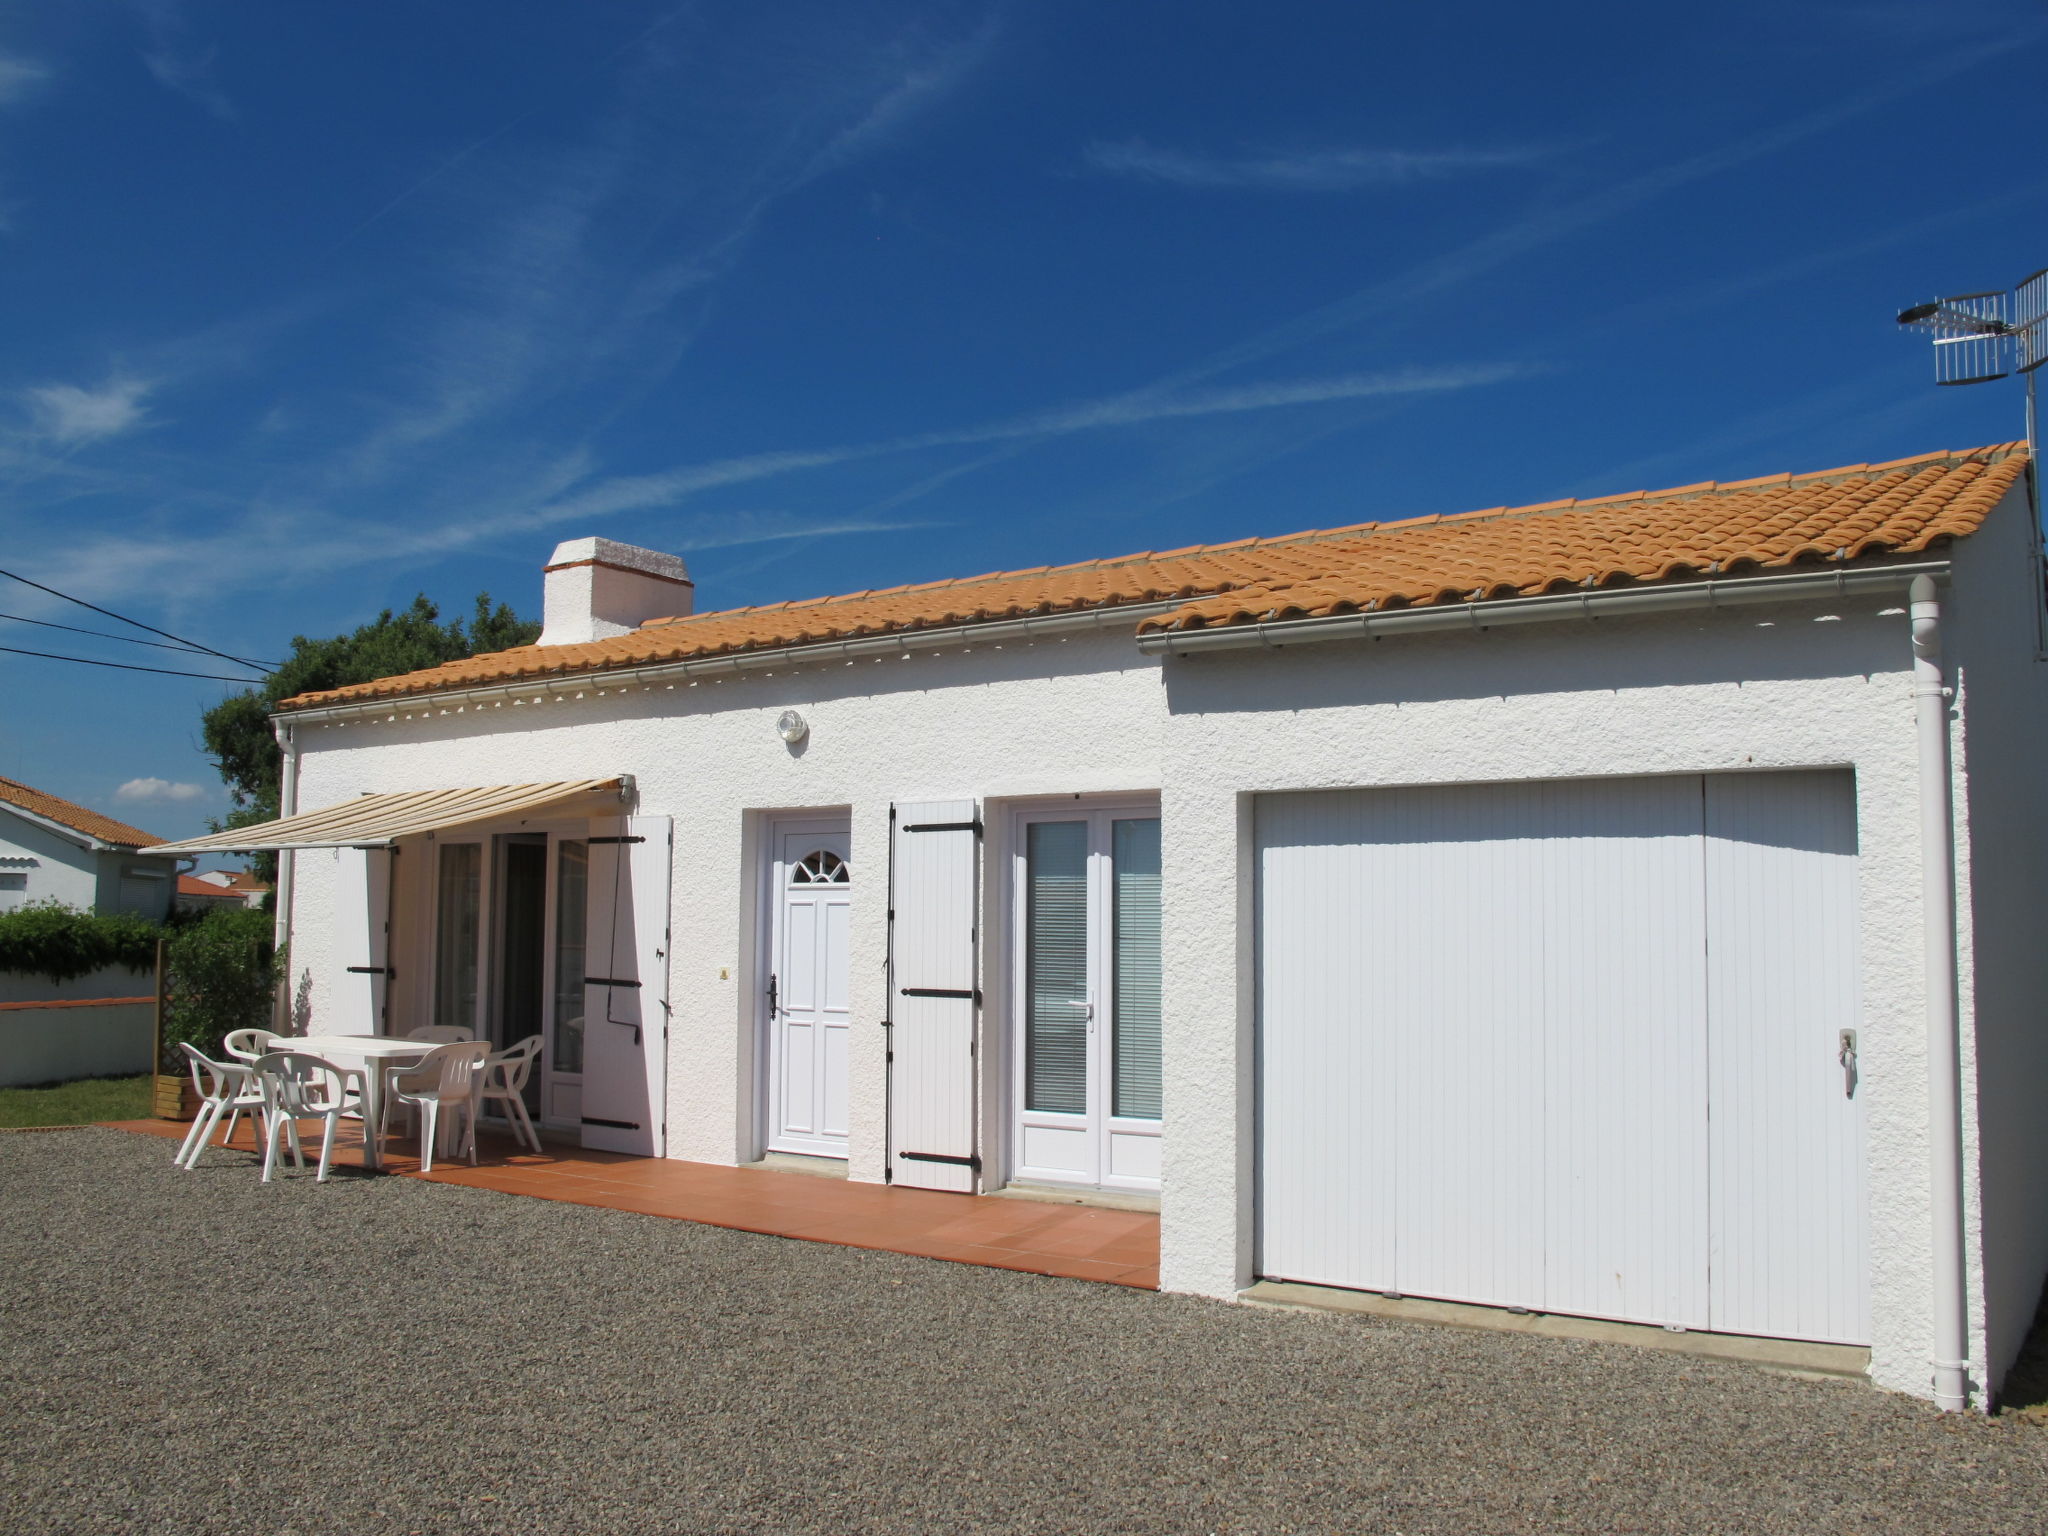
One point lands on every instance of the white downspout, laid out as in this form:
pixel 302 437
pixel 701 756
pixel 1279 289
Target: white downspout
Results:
pixel 1944 1052
pixel 287 804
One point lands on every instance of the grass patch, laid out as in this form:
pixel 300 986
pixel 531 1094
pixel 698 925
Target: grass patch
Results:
pixel 76 1103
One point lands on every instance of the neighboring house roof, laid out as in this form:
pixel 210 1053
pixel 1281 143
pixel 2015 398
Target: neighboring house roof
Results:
pixel 206 890
pixel 1830 516
pixel 239 880
pixel 67 813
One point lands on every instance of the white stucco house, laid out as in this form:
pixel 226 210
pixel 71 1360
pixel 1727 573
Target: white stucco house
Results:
pixel 1630 907
pixel 52 849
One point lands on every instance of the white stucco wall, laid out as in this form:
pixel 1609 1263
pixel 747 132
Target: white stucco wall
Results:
pixel 1793 686
pixel 1080 715
pixel 1990 638
pixel 63 870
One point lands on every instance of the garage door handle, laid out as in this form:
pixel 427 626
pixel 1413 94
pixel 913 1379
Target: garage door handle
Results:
pixel 1847 1057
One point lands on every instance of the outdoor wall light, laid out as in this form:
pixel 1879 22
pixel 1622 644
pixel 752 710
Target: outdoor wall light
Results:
pixel 792 727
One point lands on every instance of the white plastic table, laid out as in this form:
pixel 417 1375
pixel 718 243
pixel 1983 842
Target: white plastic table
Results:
pixel 378 1054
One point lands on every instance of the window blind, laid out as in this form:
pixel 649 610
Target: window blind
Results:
pixel 1056 967
pixel 1134 950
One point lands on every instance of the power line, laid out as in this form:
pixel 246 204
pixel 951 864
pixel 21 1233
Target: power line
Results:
pixel 101 633
pixel 86 661
pixel 124 619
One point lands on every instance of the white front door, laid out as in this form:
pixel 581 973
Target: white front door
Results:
pixel 811 880
pixel 1086 1064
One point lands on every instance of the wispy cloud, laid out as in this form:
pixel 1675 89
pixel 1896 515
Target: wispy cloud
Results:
pixel 280 545
pixel 159 792
pixel 731 530
pixel 1385 302
pixel 66 414
pixel 559 291
pixel 638 492
pixel 1311 170
pixel 177 62
pixel 19 78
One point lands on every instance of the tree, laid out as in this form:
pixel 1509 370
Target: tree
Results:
pixel 237 730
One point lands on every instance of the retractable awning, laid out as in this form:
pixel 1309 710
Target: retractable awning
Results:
pixel 372 821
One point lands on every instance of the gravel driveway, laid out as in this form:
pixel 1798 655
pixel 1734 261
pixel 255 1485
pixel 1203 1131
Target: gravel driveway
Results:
pixel 197 1353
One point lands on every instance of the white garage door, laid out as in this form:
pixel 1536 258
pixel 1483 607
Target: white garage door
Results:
pixel 1571 1046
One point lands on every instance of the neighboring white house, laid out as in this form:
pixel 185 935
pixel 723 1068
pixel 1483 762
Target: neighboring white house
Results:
pixel 52 849
pixel 1522 908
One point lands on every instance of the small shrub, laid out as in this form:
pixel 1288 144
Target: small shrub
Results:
pixel 60 943
pixel 220 974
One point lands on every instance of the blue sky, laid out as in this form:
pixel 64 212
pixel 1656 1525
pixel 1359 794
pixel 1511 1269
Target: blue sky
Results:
pixel 314 306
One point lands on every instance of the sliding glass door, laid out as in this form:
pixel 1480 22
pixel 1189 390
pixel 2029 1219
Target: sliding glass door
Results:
pixel 1086 919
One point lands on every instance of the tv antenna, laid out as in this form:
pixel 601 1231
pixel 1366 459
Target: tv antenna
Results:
pixel 1979 337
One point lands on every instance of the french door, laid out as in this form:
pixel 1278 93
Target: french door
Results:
pixel 1086 1004
pixel 513 965
pixel 811 886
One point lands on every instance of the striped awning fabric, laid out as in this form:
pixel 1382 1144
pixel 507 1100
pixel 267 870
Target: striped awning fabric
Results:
pixel 370 821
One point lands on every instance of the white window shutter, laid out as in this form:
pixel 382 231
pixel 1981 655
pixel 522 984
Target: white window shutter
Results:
pixel 362 925
pixel 934 1003
pixel 625 1017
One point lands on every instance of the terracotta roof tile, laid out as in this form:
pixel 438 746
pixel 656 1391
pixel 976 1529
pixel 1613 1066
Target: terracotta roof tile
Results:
pixel 1767 523
pixel 70 814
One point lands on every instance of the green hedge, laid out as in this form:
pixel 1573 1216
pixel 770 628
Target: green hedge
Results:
pixel 60 943
pixel 220 974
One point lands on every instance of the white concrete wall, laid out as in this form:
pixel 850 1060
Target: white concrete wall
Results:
pixel 1823 684
pixel 56 1045
pixel 1991 635
pixel 63 870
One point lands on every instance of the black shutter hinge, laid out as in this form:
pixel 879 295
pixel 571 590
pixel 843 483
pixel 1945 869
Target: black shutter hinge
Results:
pixel 942 1157
pixel 973 993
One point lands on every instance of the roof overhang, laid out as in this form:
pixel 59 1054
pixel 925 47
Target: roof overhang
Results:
pixel 377 821
pixel 666 674
pixel 67 832
pixel 1732 592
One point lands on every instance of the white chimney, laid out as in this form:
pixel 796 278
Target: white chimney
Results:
pixel 594 588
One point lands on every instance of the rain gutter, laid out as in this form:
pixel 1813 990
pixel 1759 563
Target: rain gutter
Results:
pixel 1714 592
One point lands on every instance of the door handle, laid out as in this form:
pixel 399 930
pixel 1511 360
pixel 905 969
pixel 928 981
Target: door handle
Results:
pixel 1846 1055
pixel 774 997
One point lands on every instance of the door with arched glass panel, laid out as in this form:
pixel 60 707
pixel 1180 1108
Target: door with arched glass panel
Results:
pixel 1085 917
pixel 811 881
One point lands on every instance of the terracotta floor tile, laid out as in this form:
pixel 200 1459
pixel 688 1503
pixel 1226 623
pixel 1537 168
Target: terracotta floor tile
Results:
pixel 1073 1242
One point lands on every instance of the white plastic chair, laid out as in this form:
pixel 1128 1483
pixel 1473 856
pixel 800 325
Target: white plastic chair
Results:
pixel 445 1075
pixel 410 1080
pixel 297 1086
pixel 224 1088
pixel 503 1080
pixel 249 1044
